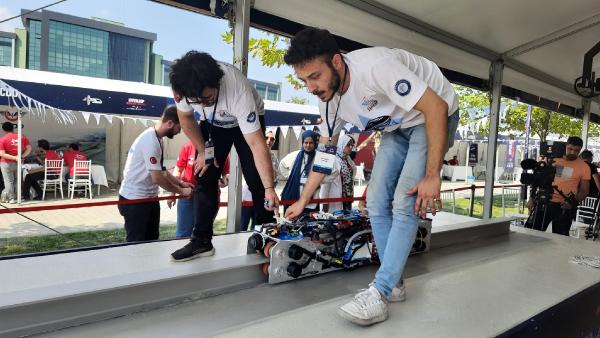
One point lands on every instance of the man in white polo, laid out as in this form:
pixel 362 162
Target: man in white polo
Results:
pixel 144 172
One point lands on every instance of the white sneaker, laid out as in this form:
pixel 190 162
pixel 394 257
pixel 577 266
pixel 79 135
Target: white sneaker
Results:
pixel 12 201
pixel 398 292
pixel 368 307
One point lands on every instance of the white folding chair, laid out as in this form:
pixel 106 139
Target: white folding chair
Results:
pixel 82 177
pixel 512 194
pixel 447 196
pixel 586 210
pixel 53 177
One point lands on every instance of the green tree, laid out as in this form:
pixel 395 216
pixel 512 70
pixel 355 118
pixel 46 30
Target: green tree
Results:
pixel 474 106
pixel 297 100
pixel 270 51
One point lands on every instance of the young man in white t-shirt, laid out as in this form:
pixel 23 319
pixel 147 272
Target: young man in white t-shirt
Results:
pixel 231 113
pixel 407 97
pixel 144 172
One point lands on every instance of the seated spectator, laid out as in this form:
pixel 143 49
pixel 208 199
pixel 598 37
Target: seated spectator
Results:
pixel 453 161
pixel 34 175
pixel 71 154
pixel 343 184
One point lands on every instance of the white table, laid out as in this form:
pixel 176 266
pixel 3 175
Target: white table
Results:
pixel 456 173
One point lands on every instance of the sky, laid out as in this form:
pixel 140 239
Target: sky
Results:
pixel 178 31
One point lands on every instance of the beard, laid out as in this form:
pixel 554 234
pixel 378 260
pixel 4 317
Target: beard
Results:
pixel 572 157
pixel 170 133
pixel 334 84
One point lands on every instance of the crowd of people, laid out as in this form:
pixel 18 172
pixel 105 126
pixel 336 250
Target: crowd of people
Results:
pixel 9 158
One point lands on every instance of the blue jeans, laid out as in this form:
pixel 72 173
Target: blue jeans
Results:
pixel 185 218
pixel 399 166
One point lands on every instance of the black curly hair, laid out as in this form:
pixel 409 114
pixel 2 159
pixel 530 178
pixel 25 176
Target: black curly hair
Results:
pixel 311 43
pixel 193 72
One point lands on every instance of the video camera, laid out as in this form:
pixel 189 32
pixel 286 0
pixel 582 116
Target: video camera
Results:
pixel 541 174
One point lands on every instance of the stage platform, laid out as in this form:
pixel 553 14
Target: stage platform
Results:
pixel 481 278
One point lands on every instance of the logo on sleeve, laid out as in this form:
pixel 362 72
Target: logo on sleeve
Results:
pixel 153 160
pixel 402 87
pixel 177 97
pixel 251 117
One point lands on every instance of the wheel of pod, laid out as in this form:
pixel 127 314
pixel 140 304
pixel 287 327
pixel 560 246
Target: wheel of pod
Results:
pixel 267 249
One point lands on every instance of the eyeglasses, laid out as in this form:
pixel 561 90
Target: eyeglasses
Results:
pixel 206 100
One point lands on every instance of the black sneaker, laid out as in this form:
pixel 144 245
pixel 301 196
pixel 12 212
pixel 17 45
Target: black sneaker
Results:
pixel 194 249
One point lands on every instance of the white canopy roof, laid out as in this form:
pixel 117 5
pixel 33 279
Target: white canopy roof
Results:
pixel 541 41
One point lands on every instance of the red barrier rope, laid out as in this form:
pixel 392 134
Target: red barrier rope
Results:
pixel 9 210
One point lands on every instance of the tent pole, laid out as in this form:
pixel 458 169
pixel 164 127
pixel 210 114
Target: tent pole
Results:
pixel 241 32
pixel 496 71
pixel 19 154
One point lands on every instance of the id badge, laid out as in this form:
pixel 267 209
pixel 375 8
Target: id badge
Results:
pixel 303 180
pixel 209 152
pixel 324 159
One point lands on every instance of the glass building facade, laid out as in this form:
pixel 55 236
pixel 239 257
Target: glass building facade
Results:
pixel 6 51
pixel 268 91
pixel 62 43
pixel 34 42
pixel 77 50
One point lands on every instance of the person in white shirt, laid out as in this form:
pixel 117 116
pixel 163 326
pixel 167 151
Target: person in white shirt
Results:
pixel 408 98
pixel 343 184
pixel 231 114
pixel 144 172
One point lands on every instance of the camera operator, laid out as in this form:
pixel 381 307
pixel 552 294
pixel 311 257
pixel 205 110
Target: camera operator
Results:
pixel 572 178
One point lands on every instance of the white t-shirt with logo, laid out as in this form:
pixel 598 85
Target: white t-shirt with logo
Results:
pixel 144 155
pixel 239 103
pixel 385 85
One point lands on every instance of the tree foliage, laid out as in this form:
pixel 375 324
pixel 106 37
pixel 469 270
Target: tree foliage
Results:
pixel 475 104
pixel 270 51
pixel 297 100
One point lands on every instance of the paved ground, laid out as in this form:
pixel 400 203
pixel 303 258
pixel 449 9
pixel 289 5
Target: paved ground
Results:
pixel 107 217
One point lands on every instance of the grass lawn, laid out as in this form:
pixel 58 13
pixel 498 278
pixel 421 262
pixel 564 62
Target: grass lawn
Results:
pixel 45 243
pixel 463 204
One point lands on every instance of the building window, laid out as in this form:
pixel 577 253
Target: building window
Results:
pixel 5 51
pixel 272 94
pixel 127 58
pixel 78 50
pixel 34 42
pixel 166 70
pixel 261 89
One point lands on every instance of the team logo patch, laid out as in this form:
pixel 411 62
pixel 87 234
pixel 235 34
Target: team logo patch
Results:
pixel 153 160
pixel 369 103
pixel 402 87
pixel 251 117
pixel 378 123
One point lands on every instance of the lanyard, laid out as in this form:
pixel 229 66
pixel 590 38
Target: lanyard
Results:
pixel 161 151
pixel 213 116
pixel 332 127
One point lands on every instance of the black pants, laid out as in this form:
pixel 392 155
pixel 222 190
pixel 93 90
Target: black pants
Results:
pixel 141 220
pixel 206 196
pixel 561 219
pixel 31 181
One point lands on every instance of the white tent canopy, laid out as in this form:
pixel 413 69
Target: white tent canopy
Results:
pixel 542 42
